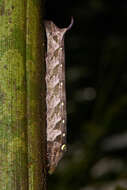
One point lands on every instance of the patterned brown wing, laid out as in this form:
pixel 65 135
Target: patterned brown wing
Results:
pixel 55 95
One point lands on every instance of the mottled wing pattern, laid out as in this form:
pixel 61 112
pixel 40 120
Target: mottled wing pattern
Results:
pixel 55 96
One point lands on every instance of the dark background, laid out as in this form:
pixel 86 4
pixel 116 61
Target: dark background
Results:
pixel 96 80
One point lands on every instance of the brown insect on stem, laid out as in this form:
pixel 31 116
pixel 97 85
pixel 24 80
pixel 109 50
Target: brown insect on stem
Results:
pixel 55 94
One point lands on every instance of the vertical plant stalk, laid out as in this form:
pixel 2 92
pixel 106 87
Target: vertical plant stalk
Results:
pixel 35 95
pixel 22 84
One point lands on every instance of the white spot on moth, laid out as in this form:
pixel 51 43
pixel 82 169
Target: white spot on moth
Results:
pixel 63 148
pixel 62 104
pixel 63 121
pixel 61 84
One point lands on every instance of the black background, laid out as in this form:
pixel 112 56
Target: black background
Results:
pixel 96 80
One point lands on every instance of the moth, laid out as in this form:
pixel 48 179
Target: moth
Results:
pixel 55 94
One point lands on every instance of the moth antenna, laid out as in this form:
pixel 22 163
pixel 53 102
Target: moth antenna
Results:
pixel 71 24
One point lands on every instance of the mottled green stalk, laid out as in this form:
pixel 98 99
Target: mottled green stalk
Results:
pixel 22 127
